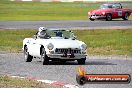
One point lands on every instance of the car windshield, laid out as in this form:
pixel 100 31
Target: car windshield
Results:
pixel 59 33
pixel 115 5
pixel 104 6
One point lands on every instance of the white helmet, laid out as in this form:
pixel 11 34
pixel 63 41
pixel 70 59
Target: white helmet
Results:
pixel 41 29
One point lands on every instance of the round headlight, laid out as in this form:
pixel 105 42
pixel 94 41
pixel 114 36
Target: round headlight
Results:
pixel 103 13
pixel 50 46
pixel 89 13
pixel 83 46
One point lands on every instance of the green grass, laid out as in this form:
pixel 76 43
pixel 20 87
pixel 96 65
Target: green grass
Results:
pixel 100 42
pixel 107 42
pixel 45 10
pixel 8 82
pixel 11 40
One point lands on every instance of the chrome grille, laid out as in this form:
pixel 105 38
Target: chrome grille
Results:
pixel 68 51
pixel 96 15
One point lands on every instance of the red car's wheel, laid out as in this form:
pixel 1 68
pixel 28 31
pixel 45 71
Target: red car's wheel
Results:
pixel 108 17
pixel 126 16
pixel 91 19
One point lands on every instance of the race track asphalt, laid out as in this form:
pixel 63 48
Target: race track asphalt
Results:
pixel 14 64
pixel 72 24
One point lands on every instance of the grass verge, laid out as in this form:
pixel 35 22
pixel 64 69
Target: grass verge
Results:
pixel 11 40
pixel 107 42
pixel 100 41
pixel 46 11
pixel 8 82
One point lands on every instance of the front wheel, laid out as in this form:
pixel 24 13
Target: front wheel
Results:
pixel 27 56
pixel 126 16
pixel 81 61
pixel 91 19
pixel 108 17
pixel 44 57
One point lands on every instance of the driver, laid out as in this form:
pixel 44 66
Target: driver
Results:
pixel 42 33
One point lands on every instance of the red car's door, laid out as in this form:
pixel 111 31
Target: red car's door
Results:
pixel 118 13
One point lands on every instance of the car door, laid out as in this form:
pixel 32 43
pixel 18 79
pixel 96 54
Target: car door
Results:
pixel 34 48
pixel 117 11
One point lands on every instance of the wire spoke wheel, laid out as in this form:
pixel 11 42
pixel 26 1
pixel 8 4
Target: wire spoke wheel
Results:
pixel 108 17
pixel 25 53
pixel 44 57
pixel 126 16
pixel 27 56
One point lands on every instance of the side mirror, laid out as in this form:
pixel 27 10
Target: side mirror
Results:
pixel 34 36
pixel 74 37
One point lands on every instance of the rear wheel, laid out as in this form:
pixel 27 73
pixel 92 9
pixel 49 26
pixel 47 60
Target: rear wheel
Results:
pixel 44 57
pixel 27 56
pixel 81 61
pixel 126 16
pixel 108 17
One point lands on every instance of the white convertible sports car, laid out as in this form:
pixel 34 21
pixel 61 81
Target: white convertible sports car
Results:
pixel 60 45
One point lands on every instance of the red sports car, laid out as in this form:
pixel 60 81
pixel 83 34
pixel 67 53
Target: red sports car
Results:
pixel 110 11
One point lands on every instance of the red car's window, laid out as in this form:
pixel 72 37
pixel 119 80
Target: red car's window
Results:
pixel 110 6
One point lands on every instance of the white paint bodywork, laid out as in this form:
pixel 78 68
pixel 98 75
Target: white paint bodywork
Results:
pixel 34 46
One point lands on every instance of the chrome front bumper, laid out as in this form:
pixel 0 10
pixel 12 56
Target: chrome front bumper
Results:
pixel 97 17
pixel 61 56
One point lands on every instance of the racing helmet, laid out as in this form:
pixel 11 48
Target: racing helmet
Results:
pixel 41 29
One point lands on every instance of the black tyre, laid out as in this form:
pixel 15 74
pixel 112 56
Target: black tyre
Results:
pixel 44 57
pixel 81 61
pixel 91 19
pixel 81 80
pixel 108 17
pixel 27 56
pixel 126 16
